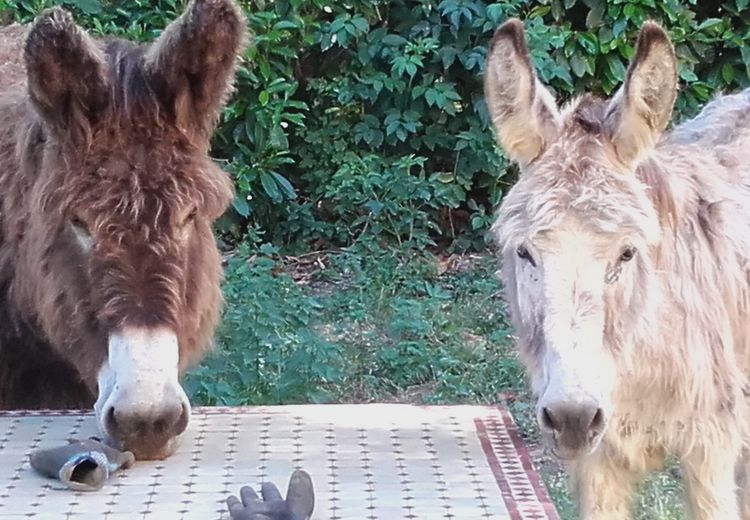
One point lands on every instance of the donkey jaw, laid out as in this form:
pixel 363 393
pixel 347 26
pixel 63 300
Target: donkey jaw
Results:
pixel 141 406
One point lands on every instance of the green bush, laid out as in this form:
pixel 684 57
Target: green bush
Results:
pixel 339 103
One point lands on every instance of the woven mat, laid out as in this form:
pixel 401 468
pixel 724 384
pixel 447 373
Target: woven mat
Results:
pixel 377 461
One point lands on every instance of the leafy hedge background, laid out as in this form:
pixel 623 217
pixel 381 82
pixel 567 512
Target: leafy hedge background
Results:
pixel 364 121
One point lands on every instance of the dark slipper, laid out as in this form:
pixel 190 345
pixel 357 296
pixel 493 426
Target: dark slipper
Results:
pixel 81 465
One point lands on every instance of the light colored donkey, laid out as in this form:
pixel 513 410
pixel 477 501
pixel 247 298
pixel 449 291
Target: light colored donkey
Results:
pixel 626 256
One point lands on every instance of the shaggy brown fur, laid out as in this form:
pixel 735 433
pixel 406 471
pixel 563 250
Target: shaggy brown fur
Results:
pixel 626 260
pixel 107 195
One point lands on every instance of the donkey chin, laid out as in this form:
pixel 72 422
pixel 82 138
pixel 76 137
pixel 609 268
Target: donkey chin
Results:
pixel 141 406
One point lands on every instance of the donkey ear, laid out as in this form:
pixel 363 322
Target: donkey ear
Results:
pixel 66 71
pixel 641 109
pixel 191 66
pixel 523 112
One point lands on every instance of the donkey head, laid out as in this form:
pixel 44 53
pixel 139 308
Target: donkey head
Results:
pixel 577 231
pixel 124 209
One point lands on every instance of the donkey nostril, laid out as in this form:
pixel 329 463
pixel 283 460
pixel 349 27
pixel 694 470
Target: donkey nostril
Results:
pixel 547 419
pixel 182 422
pixel 597 422
pixel 160 426
pixel 110 421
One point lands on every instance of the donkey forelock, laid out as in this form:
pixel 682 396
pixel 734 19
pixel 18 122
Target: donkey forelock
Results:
pixel 577 174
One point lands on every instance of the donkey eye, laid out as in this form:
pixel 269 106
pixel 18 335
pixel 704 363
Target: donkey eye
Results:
pixel 81 233
pixel 524 254
pixel 79 225
pixel 627 254
pixel 189 218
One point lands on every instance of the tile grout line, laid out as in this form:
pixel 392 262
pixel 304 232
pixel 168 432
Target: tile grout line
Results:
pixel 194 466
pixel 436 470
pixel 229 463
pixel 3 443
pixel 265 448
pixel 332 476
pixel 365 461
pixel 403 474
pixel 297 441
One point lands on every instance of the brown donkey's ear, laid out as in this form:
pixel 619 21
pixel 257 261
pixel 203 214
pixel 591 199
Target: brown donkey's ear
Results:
pixel 641 109
pixel 191 66
pixel 523 112
pixel 67 73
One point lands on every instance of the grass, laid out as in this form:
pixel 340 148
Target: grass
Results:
pixel 371 324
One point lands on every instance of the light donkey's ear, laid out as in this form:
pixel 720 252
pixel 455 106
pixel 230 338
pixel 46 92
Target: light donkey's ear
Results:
pixel 191 66
pixel 523 112
pixel 641 109
pixel 66 72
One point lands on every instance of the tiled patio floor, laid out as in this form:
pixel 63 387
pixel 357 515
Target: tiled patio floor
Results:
pixel 385 462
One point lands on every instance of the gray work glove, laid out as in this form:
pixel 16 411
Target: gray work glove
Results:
pixel 299 503
pixel 81 465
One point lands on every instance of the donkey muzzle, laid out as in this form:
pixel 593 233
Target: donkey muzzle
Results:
pixel 141 405
pixel 572 428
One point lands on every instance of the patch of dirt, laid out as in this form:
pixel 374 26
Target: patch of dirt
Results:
pixel 305 269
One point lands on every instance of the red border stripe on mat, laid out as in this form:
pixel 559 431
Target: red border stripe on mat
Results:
pixel 496 468
pixel 528 466
pixel 491 428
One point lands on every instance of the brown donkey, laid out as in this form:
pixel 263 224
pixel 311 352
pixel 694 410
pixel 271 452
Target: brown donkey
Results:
pixel 626 264
pixel 109 272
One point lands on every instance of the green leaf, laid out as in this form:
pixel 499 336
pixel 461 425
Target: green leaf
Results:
pixel 360 23
pixel 445 177
pixel 619 27
pixel 433 97
pixel 241 206
pixel 263 97
pixel 90 7
pixel 394 40
pixel 285 185
pixel 578 65
pixel 589 43
pixel 539 11
pixel 285 24
pixel 270 187
pixel 338 24
pixel 710 23
pixel 687 75
pixel 375 206
pixel 351 29
pixel 595 17
pixel 616 67
pixel 727 73
pixel 265 68
pixel 745 52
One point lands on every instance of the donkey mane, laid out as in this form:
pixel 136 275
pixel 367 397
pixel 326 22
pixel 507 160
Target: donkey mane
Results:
pixel 589 115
